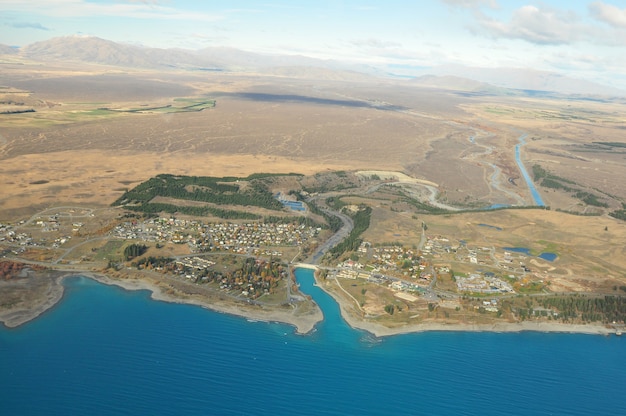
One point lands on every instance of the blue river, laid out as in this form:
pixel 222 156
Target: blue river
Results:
pixel 106 351
pixel 533 190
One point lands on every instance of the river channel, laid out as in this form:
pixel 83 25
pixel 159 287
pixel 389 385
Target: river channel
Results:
pixel 531 186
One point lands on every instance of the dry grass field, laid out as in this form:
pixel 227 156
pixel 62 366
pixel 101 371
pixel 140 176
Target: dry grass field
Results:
pixel 591 250
pixel 70 151
pixel 561 137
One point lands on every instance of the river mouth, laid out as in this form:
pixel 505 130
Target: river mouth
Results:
pixel 333 328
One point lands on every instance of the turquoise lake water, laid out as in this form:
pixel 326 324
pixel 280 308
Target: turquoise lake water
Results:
pixel 105 351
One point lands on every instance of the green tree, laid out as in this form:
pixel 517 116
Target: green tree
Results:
pixel 134 250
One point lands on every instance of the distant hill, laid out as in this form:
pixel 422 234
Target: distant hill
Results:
pixel 236 58
pixel 524 79
pixel 89 49
pixel 450 82
pixel 314 72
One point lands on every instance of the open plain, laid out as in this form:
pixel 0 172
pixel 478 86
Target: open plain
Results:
pixel 72 148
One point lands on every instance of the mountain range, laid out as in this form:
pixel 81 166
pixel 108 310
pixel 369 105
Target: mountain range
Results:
pixel 93 50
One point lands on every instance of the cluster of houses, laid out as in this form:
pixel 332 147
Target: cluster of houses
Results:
pixel 388 265
pixel 482 283
pixel 404 262
pixel 194 263
pixel 50 225
pixel 395 260
pixel 489 305
pixel 401 285
pixel 203 237
pixel 45 225
pixel 488 256
pixel 23 239
pixel 352 270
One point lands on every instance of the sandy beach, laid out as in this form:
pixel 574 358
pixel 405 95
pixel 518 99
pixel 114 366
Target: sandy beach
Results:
pixel 382 331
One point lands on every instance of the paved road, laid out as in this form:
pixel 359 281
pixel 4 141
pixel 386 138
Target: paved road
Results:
pixel 336 238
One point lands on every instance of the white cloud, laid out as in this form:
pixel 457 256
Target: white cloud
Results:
pixel 608 13
pixel 144 1
pixel 375 43
pixel 27 25
pixel 539 26
pixel 81 8
pixel 471 4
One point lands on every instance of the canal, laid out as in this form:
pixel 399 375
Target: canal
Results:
pixel 531 186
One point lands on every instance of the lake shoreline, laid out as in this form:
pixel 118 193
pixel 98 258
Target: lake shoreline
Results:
pixel 302 323
pixel 380 331
pixel 14 318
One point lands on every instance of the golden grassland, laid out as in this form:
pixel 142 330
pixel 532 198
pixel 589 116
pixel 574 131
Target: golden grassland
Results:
pixel 279 124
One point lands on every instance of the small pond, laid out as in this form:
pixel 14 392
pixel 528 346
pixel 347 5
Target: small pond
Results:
pixel 545 255
pixel 518 250
pixel 548 256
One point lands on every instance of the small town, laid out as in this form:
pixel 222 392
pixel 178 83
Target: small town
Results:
pixel 245 260
pixel 404 269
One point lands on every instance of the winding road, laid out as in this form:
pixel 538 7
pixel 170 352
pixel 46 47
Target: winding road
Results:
pixel 336 238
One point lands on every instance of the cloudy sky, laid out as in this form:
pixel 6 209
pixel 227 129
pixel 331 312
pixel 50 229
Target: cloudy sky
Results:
pixel 584 39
